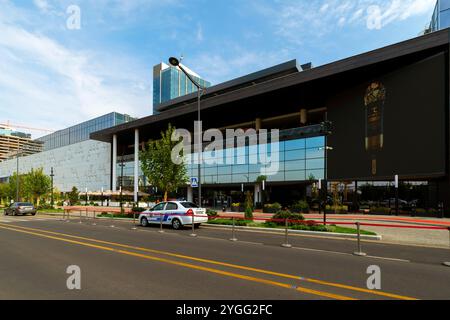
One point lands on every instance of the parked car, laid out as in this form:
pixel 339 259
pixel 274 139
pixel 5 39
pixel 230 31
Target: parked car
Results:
pixel 175 213
pixel 20 208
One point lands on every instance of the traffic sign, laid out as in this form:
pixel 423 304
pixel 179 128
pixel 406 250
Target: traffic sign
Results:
pixel 194 182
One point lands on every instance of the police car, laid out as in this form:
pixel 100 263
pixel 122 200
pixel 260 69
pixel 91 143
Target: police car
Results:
pixel 174 213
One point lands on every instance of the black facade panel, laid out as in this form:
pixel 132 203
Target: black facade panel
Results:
pixel 392 124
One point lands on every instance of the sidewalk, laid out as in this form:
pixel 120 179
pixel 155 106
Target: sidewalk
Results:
pixel 421 237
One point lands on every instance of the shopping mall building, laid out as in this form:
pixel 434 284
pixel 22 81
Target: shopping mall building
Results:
pixel 389 110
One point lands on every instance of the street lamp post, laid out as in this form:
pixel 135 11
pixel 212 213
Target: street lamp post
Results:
pixel 51 196
pixel 121 184
pixel 86 197
pixel 326 128
pixel 200 91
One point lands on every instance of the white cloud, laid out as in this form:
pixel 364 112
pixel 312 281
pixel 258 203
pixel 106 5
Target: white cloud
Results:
pixel 199 33
pixel 295 20
pixel 46 84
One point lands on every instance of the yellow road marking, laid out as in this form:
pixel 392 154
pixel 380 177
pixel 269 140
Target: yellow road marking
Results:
pixel 283 275
pixel 188 265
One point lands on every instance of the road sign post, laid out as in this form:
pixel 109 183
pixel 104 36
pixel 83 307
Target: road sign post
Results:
pixel 286 243
pixel 359 252
pixel 80 218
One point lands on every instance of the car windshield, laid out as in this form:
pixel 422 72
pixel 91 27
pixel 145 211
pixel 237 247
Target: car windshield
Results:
pixel 24 204
pixel 189 205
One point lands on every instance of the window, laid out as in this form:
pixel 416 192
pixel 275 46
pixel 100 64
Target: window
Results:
pixel 159 207
pixel 171 206
pixel 188 205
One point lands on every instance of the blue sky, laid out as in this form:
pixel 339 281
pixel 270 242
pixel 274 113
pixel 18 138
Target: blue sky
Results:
pixel 53 77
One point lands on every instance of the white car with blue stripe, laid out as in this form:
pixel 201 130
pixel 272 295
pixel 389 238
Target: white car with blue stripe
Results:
pixel 174 213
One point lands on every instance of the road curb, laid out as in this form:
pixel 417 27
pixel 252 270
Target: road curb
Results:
pixel 316 233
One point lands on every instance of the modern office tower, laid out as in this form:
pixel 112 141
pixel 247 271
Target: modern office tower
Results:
pixel 170 83
pixel 12 142
pixel 441 16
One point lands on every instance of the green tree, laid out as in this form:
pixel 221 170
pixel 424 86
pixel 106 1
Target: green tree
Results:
pixel 12 187
pixel 248 205
pixel 4 193
pixel 73 196
pixel 158 167
pixel 37 184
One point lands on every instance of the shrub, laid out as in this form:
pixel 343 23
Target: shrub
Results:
pixel 211 213
pixel 380 210
pixel 296 218
pixel 338 209
pixel 45 207
pixel 248 206
pixel 272 208
pixel 229 222
pixel 300 207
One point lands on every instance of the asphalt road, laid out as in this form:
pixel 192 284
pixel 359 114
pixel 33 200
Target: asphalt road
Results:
pixel 121 263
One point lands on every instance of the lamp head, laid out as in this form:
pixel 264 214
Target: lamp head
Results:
pixel 174 62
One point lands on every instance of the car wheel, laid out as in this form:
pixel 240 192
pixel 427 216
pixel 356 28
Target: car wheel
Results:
pixel 176 224
pixel 144 222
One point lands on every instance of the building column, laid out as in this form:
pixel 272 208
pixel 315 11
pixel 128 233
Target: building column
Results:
pixel 190 194
pixel 258 124
pixel 257 194
pixel 303 116
pixel 114 163
pixel 136 165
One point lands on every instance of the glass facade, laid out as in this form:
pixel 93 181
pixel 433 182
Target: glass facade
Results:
pixel 170 83
pixel 299 160
pixel 82 131
pixel 441 16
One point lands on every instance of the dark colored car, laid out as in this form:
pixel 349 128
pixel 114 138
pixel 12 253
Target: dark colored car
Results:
pixel 20 208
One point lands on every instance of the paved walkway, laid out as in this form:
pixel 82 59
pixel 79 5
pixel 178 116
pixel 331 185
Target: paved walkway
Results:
pixel 410 236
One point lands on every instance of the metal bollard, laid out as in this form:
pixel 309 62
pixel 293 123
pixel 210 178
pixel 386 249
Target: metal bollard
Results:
pixel 233 232
pixel 161 223
pixel 359 252
pixel 193 225
pixel 286 243
pixel 447 264
pixel 93 218
pixel 68 216
pixel 134 221
pixel 112 220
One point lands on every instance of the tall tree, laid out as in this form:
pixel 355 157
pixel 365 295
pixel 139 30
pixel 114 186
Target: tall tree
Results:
pixel 12 187
pixel 4 193
pixel 37 184
pixel 73 196
pixel 158 167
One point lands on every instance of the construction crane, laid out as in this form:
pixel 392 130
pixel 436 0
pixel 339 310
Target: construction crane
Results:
pixel 10 125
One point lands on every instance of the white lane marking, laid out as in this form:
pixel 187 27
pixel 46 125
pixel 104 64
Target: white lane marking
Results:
pixel 391 259
pixel 349 254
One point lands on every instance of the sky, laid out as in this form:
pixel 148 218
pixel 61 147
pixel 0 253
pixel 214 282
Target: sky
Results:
pixel 64 62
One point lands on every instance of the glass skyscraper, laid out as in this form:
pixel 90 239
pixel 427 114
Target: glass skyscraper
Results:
pixel 81 132
pixel 170 83
pixel 441 16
